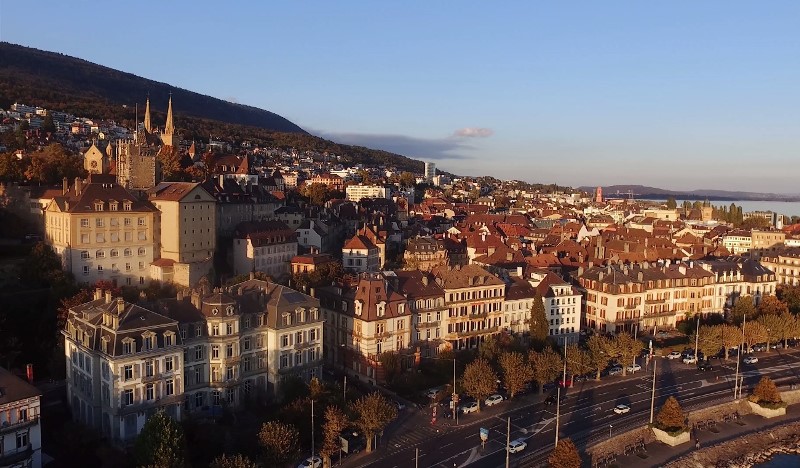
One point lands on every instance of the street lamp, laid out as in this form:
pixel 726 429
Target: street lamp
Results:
pixel 696 338
pixel 558 394
pixel 736 386
pixel 609 430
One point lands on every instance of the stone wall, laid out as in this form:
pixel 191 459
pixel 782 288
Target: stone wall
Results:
pixel 616 444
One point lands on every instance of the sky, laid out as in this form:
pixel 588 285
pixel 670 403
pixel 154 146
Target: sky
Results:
pixel 680 95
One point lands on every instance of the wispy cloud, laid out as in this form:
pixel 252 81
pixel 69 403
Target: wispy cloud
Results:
pixel 473 132
pixel 413 147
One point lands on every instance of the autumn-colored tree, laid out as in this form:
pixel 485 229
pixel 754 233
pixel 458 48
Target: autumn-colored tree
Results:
pixel 280 443
pixel 490 349
pixel 479 380
pixel 742 307
pixel 316 389
pixel 791 328
pixel 771 305
pixel 709 341
pixel 625 348
pixel 391 363
pixel 161 443
pixel 407 179
pixel 598 348
pixel 774 326
pixel 232 461
pixel 564 455
pixel 52 164
pixel 766 393
pixel 546 366
pixel 517 373
pixel 81 297
pixel 789 295
pixel 335 422
pixel 539 325
pixel 373 413
pixel 754 332
pixel 579 361
pixel 730 337
pixel 670 417
pixel 170 160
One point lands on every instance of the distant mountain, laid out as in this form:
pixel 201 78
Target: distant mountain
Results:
pixel 645 192
pixel 60 82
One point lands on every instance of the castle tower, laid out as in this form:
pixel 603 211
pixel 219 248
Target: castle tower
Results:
pixel 167 137
pixel 95 160
pixel 598 197
pixel 147 124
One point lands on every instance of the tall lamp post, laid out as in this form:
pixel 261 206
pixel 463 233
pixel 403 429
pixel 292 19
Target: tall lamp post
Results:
pixel 696 338
pixel 736 386
pixel 558 395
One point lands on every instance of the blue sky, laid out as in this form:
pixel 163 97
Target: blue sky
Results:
pixel 679 94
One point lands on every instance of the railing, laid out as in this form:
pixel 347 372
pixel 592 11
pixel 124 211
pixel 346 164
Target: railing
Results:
pixel 13 456
pixel 144 405
pixel 471 333
pixel 655 301
pixel 11 427
pixel 428 324
pixel 151 378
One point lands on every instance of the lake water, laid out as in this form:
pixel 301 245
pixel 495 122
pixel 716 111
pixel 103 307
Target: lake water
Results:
pixel 781 460
pixel 785 208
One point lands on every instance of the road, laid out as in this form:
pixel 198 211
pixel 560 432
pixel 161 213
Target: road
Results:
pixel 586 415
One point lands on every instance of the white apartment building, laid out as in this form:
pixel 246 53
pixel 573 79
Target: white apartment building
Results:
pixel 430 171
pixel 357 192
pixel 266 246
pixel 359 254
pixel 738 242
pixel 20 426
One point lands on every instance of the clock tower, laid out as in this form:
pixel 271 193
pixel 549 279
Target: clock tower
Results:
pixel 95 160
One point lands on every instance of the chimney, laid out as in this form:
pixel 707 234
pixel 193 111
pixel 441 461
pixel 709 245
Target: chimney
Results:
pixel 600 276
pixel 196 299
pixel 519 271
pixel 509 256
pixel 640 276
pixel 108 297
pixel 120 305
pixel 98 294
pixel 580 271
pixel 77 186
pixel 179 295
pixel 425 279
pixel 252 275
pixel 64 186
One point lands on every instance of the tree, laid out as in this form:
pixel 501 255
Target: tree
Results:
pixel 539 325
pixel 317 194
pixel 171 164
pixel 490 348
pixel 232 461
pixel 754 332
pixel 390 362
pixel 774 326
pixel 730 337
pixel 546 366
pixel 479 380
pixel 53 163
pixel 671 203
pixel 579 361
pixel 335 422
pixel 709 341
pixel 771 305
pixel 743 307
pixel 670 417
pixel 280 442
pixel 598 348
pixel 792 326
pixel 517 373
pixel 373 413
pixel 790 295
pixel 765 392
pixel 81 297
pixel 316 389
pixel 407 179
pixel 564 455
pixel 161 443
pixel 626 348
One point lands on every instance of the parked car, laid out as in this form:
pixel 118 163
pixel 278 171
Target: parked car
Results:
pixel 622 409
pixel 615 371
pixel 759 348
pixel 400 405
pixel 493 400
pixel 469 407
pixel 311 462
pixel 634 368
pixel 674 355
pixel 704 366
pixel 689 360
pixel 552 398
pixel 750 360
pixel 549 386
pixel 433 393
pixel 517 445
pixel 580 378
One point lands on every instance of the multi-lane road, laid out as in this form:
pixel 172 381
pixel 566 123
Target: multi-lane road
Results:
pixel 586 415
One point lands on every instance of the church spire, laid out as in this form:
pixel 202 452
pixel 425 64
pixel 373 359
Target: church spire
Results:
pixel 169 128
pixel 147 125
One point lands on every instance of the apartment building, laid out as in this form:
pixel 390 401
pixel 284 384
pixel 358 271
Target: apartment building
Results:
pixel 426 302
pixel 562 305
pixel 766 242
pixel 424 253
pixel 20 426
pixel 475 304
pixel 123 363
pixel 737 241
pixel 359 254
pixel 737 276
pixel 101 231
pixel 266 246
pixel 785 263
pixel 358 192
pixel 333 181
pixel 363 320
pixel 186 232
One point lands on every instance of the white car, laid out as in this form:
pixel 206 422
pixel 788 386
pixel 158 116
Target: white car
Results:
pixel 469 407
pixel 674 355
pixel 622 409
pixel 634 368
pixel 517 445
pixel 311 462
pixel 690 360
pixel 750 360
pixel 493 399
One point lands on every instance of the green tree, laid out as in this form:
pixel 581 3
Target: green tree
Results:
pixel 479 380
pixel 335 422
pixel 671 203
pixel 709 341
pixel 407 179
pixel 232 461
pixel 743 307
pixel 598 348
pixel 317 194
pixel 754 333
pixel 671 417
pixel 546 366
pixel 48 126
pixel 564 455
pixel 730 337
pixel 539 325
pixel 517 373
pixel 490 348
pixel 280 442
pixel 775 328
pixel 161 443
pixel 373 413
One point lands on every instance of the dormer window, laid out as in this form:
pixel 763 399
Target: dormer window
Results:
pixel 126 205
pixel 381 308
pixel 169 338
pixel 229 310
pixel 98 206
pixel 127 346
pixel 112 206
pixel 148 341
pixel 357 307
pixel 286 319
pixel 401 308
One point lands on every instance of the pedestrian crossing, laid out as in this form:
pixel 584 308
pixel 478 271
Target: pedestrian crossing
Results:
pixel 401 440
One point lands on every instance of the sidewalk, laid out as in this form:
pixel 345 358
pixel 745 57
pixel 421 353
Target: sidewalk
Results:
pixel 659 454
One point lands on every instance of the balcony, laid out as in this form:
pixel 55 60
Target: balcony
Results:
pixel 306 344
pixel 151 378
pixel 293 369
pixel 13 457
pixel 434 324
pixel 148 404
pixel 11 427
pixel 479 315
pixel 469 334
pixel 655 301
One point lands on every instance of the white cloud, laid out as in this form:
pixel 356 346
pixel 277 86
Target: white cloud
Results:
pixel 473 132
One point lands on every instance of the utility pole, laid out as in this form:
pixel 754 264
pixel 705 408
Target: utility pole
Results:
pixel 344 390
pixel 653 393
pixel 455 399
pixel 738 360
pixel 312 430
pixel 558 394
pixel 508 441
pixel 416 458
pixel 696 338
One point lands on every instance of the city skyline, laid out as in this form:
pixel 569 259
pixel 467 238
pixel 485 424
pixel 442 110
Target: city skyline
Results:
pixel 665 96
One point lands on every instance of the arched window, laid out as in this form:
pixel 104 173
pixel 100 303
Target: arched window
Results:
pixel 100 254
pixel 127 252
pixel 142 251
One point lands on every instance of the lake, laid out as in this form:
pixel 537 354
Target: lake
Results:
pixel 780 461
pixel 785 208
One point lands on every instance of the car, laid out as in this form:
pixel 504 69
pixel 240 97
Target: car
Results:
pixel 704 366
pixel 400 405
pixel 493 400
pixel 311 462
pixel 580 378
pixel 433 393
pixel 689 360
pixel 562 384
pixel 634 368
pixel 549 386
pixel 750 360
pixel 622 409
pixel 517 445
pixel 760 348
pixel 615 371
pixel 550 400
pixel 469 407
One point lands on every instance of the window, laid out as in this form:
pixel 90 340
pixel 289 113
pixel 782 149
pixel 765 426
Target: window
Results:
pixel 298 358
pixel 148 343
pixel 127 221
pixel 114 253
pixel 86 269
pixel 247 344
pixel 140 222
pixel 198 352
pixel 113 206
pixel 229 350
pixel 170 387
pixel 229 373
pixel 142 251
pixel 149 391
pixel 142 235
pixel 168 339
pixel 128 372
pixel 128 237
pixel 100 237
pixel 99 268
pixel 148 368
pixel 215 397
pixel 127 397
pixel 198 330
pixel 298 337
pixel 84 238
pixel 126 252
pixel 215 330
pixel 84 222
pixel 127 347
pixel 100 254
pixel 198 400
pixel 259 341
pixel 23 414
pixel 229 329
pixel 168 364
pixel 215 352
pixel 284 361
pixel 284 340
pixel 198 375
pixel 261 362
pixel 84 254
pixel 22 439
pixel 128 268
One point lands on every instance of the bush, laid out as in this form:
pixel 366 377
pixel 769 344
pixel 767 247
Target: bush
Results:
pixel 766 394
pixel 670 417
